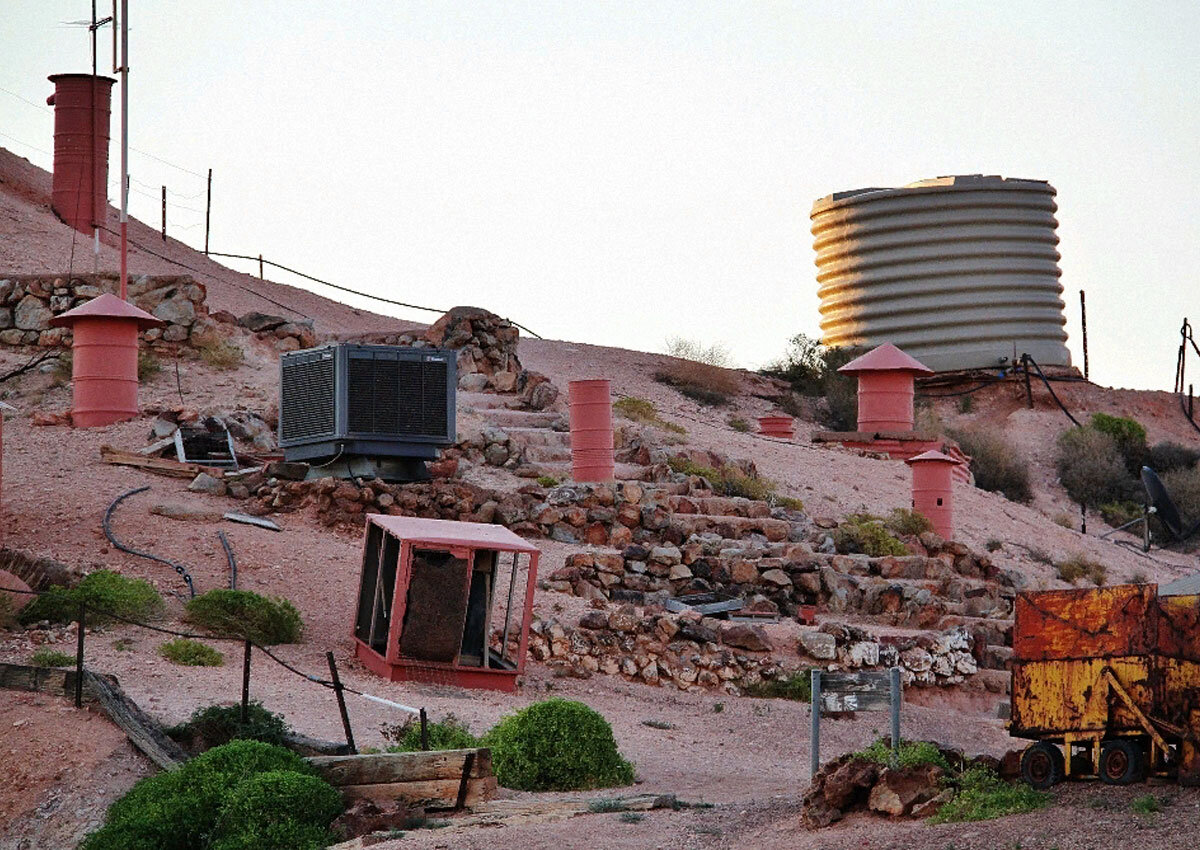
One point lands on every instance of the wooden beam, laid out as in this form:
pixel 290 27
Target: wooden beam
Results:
pixel 387 768
pixel 429 793
pixel 158 465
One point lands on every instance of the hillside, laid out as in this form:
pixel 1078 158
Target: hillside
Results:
pixel 748 754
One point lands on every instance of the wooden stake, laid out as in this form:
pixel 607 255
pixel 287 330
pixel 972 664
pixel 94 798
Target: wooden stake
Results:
pixel 164 211
pixel 424 731
pixel 341 700
pixel 207 212
pixel 246 683
pixel 79 657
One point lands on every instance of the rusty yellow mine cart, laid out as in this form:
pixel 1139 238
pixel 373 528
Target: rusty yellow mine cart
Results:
pixel 1106 681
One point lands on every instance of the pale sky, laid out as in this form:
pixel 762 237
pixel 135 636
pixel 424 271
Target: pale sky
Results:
pixel 618 173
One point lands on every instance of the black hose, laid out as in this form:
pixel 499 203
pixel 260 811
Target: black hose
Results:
pixel 232 560
pixel 112 538
pixel 1028 360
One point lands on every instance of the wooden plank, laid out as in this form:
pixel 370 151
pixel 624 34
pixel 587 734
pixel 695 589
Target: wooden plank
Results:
pixel 838 703
pixel 865 691
pixel 158 465
pixel 386 768
pixel 430 793
pixel 144 732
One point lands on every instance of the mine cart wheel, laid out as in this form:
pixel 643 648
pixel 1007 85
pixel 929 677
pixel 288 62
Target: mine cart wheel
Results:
pixel 1042 765
pixel 1122 762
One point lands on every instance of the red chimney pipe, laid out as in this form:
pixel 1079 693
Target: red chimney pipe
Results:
pixel 80 185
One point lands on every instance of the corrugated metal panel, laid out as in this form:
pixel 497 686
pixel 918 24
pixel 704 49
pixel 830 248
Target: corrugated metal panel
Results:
pixel 959 272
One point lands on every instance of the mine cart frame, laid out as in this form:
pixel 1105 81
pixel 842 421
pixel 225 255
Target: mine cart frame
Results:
pixel 426 597
pixel 1107 683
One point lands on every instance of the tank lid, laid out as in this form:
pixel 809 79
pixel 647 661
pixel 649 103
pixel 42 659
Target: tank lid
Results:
pixel 885 358
pixel 954 182
pixel 107 306
pixel 54 78
pixel 931 457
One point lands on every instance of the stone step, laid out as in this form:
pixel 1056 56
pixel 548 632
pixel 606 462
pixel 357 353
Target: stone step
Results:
pixel 719 506
pixel 622 471
pixel 538 437
pixel 733 527
pixel 483 401
pixel 546 454
pixel 507 419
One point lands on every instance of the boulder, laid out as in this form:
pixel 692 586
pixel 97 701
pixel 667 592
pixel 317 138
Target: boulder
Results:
pixel 897 791
pixel 849 783
pixel 818 645
pixel 745 636
pixel 259 322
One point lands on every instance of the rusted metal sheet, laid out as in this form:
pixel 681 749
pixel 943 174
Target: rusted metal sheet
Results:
pixel 1052 697
pixel 1103 622
pixel 1179 627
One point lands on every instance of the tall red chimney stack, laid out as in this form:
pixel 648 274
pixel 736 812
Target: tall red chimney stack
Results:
pixel 82 104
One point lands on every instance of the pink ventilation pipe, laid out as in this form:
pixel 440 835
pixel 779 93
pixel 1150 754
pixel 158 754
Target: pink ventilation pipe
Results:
pixel 591 430
pixel 933 490
pixel 885 388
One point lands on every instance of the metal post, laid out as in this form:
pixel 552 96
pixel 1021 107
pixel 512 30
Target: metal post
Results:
pixel 246 683
pixel 207 212
pixel 1082 518
pixel 815 743
pixel 1028 388
pixel 508 610
pixel 1190 416
pixel 1083 314
pixel 164 216
pixel 896 693
pixel 260 269
pixel 341 700
pixel 97 206
pixel 125 150
pixel 79 657
pixel 424 731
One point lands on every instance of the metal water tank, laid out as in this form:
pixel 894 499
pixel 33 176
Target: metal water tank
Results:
pixel 961 272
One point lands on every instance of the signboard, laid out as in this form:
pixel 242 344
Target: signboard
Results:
pixel 837 693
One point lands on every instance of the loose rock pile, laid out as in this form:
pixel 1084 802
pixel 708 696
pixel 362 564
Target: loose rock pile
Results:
pixel 28 302
pixel 284 334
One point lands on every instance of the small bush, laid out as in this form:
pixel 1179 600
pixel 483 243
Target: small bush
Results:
pixel 641 410
pixel 912 754
pixel 1064 520
pixel 631 817
pixel 811 369
pixel 1139 577
pixel 556 745
pixel 178 810
pixel 994 544
pixel 659 724
pixel 105 592
pixel 794 686
pixel 1080 566
pixel 904 521
pixel 606 805
pixel 221 353
pixel 966 403
pixel 1184 487
pixel 1147 804
pixel 739 424
pixel 697 352
pixel 1167 456
pixel 191 653
pixel 547 481
pixel 792 504
pixel 983 795
pixel 700 372
pixel 727 480
pixel 1091 469
pixel 51 658
pixel 148 365
pixel 865 534
pixel 450 733
pixel 1119 513
pixel 277 810
pixel 246 614
pixel 1129 437
pixel 996 463
pixel 64 365
pixel 215 725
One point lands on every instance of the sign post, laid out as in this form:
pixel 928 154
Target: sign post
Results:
pixel 839 693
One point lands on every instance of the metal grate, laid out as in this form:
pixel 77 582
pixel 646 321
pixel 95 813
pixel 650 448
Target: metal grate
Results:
pixel 387 396
pixel 307 401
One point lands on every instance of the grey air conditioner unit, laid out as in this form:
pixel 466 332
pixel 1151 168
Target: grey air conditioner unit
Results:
pixel 390 406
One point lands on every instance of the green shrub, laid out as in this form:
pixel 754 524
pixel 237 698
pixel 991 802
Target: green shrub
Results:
pixel 912 754
pixel 1079 566
pixel 1129 436
pixel 994 544
pixel 556 745
pixel 996 463
pixel 191 653
pixel 449 733
pixel 904 521
pixel 641 410
pixel 105 592
pixel 178 810
pixel 221 353
pixel 727 480
pixel 811 369
pixel 983 795
pixel 547 481
pixel 788 502
pixel 1167 456
pixel 794 686
pixel 863 533
pixel 277 810
pixel 966 403
pixel 215 725
pixel 1091 469
pixel 739 424
pixel 51 658
pixel 246 614
pixel 1184 487
pixel 1119 513
pixel 1147 804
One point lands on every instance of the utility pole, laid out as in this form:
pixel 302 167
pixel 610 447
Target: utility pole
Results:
pixel 125 150
pixel 164 206
pixel 207 212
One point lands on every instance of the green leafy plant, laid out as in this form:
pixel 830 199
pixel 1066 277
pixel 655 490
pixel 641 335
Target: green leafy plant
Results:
pixel 246 614
pixel 277 809
pixel 220 353
pixel 865 534
pixel 994 544
pixel 547 481
pixel 1167 456
pixel 449 733
pixel 641 410
pixel 983 795
pixel 214 725
pixel 1147 804
pixel 51 658
pixel 1080 566
pixel 904 521
pixel 966 403
pixel 182 809
pixel 606 805
pixel 1129 436
pixel 912 754
pixel 191 653
pixel 556 745
pixel 726 480
pixel 104 592
pixel 997 464
pixel 739 424
pixel 792 504
pixel 1091 468
pixel 794 686
pixel 1119 513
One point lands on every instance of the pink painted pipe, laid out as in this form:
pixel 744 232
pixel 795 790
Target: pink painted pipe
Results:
pixel 776 426
pixel 591 430
pixel 933 489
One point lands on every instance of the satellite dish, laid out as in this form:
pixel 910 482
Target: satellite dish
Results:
pixel 1164 506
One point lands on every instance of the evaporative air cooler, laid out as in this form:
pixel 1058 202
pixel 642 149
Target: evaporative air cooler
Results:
pixel 367 410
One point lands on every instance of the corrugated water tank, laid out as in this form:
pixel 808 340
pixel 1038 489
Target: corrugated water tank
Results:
pixel 961 272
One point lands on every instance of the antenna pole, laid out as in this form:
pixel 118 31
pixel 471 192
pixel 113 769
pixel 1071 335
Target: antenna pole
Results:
pixel 1083 313
pixel 97 205
pixel 124 150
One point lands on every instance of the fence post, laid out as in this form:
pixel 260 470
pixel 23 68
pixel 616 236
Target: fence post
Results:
pixel 207 212
pixel 896 693
pixel 424 731
pixel 341 700
pixel 246 683
pixel 164 206
pixel 260 268
pixel 815 763
pixel 79 657
pixel 1028 388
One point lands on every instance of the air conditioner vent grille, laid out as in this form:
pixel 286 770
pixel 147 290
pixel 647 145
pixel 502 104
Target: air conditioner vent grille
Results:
pixel 308 399
pixel 406 397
